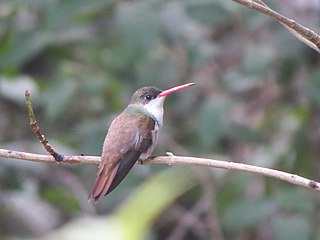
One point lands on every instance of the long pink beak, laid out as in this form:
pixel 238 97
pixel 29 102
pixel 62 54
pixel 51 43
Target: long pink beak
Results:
pixel 175 89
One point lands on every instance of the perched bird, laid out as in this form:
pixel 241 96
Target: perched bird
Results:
pixel 132 136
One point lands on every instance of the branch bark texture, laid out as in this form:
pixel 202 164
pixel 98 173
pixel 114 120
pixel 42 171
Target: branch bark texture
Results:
pixel 305 35
pixel 172 160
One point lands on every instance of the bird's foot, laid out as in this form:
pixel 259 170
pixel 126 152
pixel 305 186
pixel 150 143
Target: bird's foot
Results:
pixel 170 154
pixel 140 161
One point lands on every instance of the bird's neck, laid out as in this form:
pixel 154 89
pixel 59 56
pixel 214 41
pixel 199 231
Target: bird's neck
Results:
pixel 156 113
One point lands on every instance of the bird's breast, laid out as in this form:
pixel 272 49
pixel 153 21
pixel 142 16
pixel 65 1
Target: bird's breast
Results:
pixel 154 134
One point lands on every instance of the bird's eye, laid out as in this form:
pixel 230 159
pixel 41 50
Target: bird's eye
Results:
pixel 148 97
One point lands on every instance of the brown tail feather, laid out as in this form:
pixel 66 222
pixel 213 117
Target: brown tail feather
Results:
pixel 103 183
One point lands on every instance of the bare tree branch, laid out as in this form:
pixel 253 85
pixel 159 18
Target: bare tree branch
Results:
pixel 36 129
pixel 289 177
pixel 305 35
pixel 173 160
pixel 5 153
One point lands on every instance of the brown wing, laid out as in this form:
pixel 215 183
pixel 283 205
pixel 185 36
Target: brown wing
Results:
pixel 127 138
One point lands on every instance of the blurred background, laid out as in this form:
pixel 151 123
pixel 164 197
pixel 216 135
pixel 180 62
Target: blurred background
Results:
pixel 256 101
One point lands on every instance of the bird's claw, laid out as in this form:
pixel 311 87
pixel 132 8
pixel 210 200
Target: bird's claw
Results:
pixel 170 154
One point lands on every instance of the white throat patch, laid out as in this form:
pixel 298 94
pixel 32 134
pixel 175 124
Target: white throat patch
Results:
pixel 155 108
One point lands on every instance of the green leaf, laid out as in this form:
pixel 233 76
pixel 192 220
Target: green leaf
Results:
pixel 286 71
pixel 313 87
pixel 244 133
pixel 211 121
pixel 237 82
pixel 58 103
pixel 257 59
pixel 151 199
pixel 247 213
pixel 157 66
pixel 133 219
pixel 62 199
pixel 14 88
pixel 290 199
pixel 292 228
pixel 208 12
pixel 138 25
pixel 20 47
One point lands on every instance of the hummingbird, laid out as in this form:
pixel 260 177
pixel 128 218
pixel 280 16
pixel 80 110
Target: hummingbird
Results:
pixel 132 136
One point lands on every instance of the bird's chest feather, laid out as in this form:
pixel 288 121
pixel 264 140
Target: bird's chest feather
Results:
pixel 154 133
pixel 147 135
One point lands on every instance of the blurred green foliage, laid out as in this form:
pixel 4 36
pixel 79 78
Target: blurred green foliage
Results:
pixel 256 101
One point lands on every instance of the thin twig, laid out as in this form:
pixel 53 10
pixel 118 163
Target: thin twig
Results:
pixel 36 129
pixel 307 36
pixel 289 177
pixel 5 153
pixel 174 160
